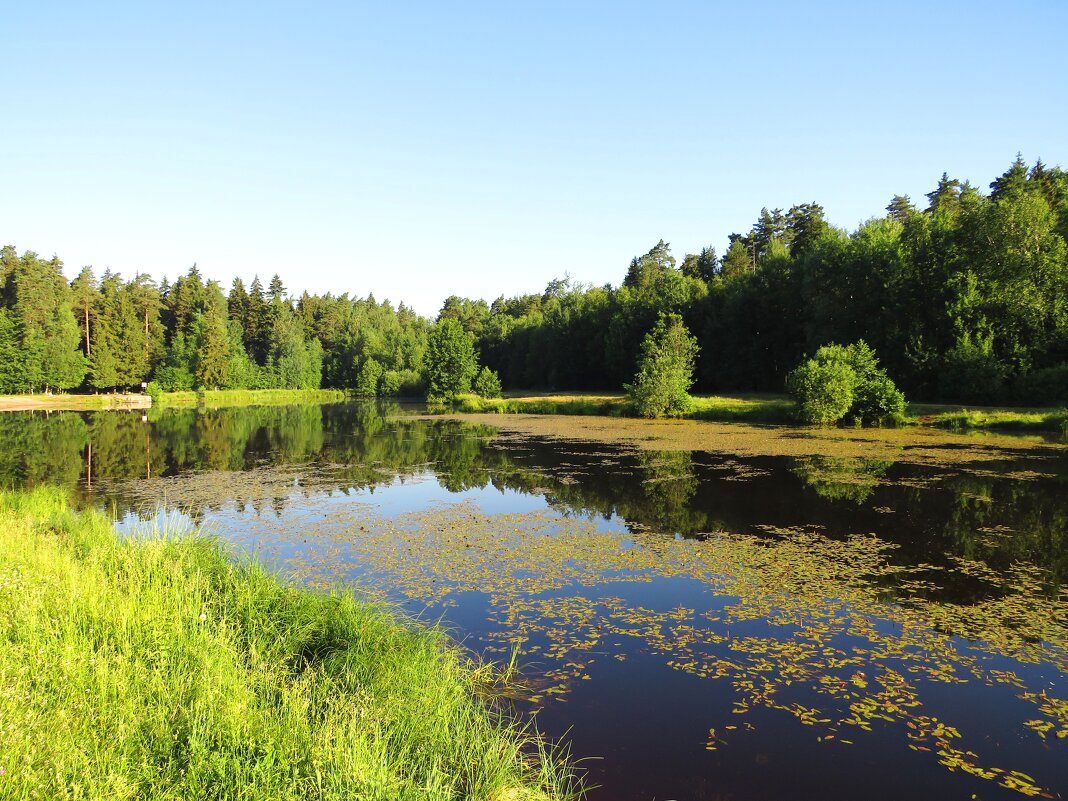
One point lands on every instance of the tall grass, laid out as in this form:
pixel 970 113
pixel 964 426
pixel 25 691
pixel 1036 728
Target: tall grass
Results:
pixel 153 668
pixel 221 398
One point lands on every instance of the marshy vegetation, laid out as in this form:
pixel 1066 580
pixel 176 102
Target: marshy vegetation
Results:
pixel 153 667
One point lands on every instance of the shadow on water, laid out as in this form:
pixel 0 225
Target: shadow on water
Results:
pixel 711 626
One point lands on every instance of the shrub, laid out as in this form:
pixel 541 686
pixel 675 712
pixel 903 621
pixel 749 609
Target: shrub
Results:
pixel 823 390
pixel 155 392
pixel 878 401
pixel 845 382
pixel 488 383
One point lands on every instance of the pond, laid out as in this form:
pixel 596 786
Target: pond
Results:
pixel 770 614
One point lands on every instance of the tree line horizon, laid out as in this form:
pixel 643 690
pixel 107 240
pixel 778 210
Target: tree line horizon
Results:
pixel 965 300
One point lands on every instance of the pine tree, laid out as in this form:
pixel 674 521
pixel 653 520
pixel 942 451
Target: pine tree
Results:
pixel 212 340
pixel 50 338
pixel 946 196
pixel 900 208
pixel 1011 182
pixel 237 304
pixel 148 304
pixel 86 296
pixel 106 335
pixel 258 326
pixel 12 371
pixel 276 291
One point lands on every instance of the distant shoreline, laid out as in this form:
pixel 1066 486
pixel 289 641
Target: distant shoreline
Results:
pixel 59 401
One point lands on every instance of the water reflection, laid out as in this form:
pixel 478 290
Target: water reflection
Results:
pixel 771 608
pixel 1001 512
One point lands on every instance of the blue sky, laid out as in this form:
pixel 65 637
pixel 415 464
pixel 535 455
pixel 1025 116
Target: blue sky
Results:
pixel 426 149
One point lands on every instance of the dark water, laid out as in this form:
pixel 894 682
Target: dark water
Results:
pixel 695 625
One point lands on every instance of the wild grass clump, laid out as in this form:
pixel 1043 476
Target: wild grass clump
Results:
pixel 153 668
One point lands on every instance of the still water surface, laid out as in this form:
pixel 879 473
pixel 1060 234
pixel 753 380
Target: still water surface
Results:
pixel 694 625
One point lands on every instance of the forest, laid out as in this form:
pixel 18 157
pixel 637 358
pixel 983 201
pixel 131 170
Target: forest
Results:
pixel 964 298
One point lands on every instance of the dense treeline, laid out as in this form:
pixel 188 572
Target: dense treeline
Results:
pixel 110 333
pixel 965 299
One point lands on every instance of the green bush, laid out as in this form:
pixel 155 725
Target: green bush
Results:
pixel 845 383
pixel 155 392
pixel 877 401
pixel 390 383
pixel 823 391
pixel 488 383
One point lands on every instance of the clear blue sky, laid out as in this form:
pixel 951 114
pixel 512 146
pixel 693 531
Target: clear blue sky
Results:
pixel 426 149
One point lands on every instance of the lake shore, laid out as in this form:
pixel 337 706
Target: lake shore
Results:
pixel 911 444
pixel 60 401
pixel 766 409
pixel 227 398
pixel 154 667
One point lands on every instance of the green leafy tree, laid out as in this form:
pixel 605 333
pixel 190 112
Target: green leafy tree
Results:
pixel 293 361
pixel 368 380
pixel 450 363
pixel 665 369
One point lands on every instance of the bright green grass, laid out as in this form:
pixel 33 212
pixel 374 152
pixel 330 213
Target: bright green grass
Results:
pixel 609 405
pixel 155 669
pixel 1002 419
pixel 220 398
pixel 745 408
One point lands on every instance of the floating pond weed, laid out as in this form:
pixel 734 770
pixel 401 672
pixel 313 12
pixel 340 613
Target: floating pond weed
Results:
pixel 829 631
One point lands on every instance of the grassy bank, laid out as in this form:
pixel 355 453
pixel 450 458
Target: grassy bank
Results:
pixel 1002 419
pixel 155 669
pixel 765 408
pixel 222 398
pixel 740 408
